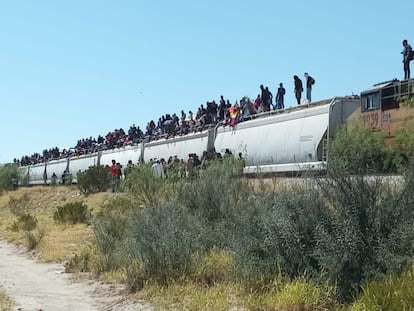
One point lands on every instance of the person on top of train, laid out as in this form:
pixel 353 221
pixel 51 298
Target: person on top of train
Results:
pixel 309 83
pixel 407 57
pixel 298 88
pixel 280 103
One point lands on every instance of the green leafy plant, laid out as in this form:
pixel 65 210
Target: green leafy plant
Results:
pixel 360 150
pixel 95 179
pixel 113 229
pixel 8 172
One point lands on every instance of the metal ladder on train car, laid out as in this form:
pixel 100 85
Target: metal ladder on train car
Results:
pixel 324 150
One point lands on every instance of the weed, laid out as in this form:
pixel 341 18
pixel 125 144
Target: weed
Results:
pixel 25 222
pixel 213 267
pixel 393 293
pixel 76 212
pixel 81 262
pixel 19 207
pixel 33 238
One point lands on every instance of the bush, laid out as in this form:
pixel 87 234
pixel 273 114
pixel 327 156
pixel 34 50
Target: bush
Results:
pixel 95 179
pixel 112 228
pixel 7 173
pixel 359 150
pixel 74 213
pixel 276 235
pixel 216 191
pixel 369 231
pixel 166 237
pixel 404 146
pixel 143 186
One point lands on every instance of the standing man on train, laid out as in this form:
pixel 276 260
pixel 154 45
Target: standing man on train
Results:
pixel 309 83
pixel 407 57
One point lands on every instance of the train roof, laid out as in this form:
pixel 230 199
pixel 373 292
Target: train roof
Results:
pixel 385 84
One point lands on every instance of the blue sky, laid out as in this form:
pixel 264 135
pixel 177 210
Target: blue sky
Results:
pixel 75 69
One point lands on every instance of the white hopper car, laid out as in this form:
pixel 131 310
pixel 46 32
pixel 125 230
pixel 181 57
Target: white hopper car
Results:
pixel 281 141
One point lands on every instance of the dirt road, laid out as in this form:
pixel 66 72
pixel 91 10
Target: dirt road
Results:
pixel 45 287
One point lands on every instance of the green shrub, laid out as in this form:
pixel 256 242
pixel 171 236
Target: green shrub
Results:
pixel 74 213
pixel 369 231
pixel 360 150
pixel 165 238
pixel 404 146
pixel 95 179
pixel 143 186
pixel 7 173
pixel 275 235
pixel 213 194
pixel 112 229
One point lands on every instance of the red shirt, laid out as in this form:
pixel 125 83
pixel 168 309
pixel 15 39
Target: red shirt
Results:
pixel 114 170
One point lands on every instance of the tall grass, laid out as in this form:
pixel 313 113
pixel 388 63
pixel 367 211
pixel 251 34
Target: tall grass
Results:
pixel 393 293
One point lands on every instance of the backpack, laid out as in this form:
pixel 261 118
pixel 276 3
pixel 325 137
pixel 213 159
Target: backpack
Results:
pixel 311 80
pixel 410 53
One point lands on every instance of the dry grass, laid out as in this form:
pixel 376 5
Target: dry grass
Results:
pixel 60 241
pixel 221 297
pixel 6 304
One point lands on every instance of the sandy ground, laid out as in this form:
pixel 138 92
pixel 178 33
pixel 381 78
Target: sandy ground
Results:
pixel 45 287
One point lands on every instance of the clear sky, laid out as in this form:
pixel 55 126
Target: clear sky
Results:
pixel 79 68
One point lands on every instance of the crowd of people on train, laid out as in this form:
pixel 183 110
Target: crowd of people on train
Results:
pixel 173 167
pixel 169 125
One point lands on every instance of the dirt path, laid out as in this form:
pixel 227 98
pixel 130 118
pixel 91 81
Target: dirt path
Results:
pixel 45 287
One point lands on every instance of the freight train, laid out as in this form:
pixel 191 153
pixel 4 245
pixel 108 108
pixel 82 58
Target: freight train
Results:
pixel 280 141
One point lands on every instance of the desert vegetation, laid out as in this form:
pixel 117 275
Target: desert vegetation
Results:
pixel 343 241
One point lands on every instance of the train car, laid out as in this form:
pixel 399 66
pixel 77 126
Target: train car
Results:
pixel 181 146
pixel 289 140
pixel 122 155
pixel 383 106
pixel 36 173
pixel 57 167
pixel 81 163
